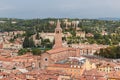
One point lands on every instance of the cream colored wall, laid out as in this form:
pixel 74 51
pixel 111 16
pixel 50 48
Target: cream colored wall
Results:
pixel 89 66
pixel 64 78
pixel 105 69
pixel 12 46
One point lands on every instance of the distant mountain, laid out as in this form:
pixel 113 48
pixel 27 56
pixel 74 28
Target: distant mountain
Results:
pixel 109 19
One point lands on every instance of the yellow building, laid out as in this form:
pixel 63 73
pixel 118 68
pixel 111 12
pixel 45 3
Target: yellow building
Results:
pixel 88 65
pixel 106 67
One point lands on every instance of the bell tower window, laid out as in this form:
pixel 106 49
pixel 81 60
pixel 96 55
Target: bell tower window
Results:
pixel 57 31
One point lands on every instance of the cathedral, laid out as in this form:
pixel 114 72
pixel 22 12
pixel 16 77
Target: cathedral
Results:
pixel 58 52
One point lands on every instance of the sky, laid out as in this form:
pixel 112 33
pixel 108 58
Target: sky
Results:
pixel 28 9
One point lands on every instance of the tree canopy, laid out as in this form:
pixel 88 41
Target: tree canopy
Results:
pixel 110 52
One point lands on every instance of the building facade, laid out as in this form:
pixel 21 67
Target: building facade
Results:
pixel 58 52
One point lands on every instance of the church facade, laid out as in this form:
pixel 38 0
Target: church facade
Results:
pixel 58 52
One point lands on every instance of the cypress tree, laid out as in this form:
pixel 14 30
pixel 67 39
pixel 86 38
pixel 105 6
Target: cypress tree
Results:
pixel 26 42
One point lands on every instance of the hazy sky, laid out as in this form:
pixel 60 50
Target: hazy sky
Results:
pixel 59 8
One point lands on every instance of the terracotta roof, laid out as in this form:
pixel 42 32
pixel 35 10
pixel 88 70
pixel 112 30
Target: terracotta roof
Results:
pixel 94 75
pixel 53 51
pixel 5 59
pixel 114 74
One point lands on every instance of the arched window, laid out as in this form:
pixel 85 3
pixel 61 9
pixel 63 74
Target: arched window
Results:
pixel 57 31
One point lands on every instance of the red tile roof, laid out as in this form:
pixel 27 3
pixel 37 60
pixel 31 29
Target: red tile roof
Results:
pixel 53 51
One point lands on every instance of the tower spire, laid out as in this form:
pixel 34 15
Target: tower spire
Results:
pixel 58 23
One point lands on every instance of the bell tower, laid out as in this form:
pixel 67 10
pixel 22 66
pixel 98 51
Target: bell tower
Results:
pixel 58 36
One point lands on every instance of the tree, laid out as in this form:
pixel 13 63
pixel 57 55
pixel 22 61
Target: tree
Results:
pixel 98 36
pixel 36 51
pixel 110 52
pixel 26 42
pixel 23 51
pixel 46 43
pixel 37 36
pixel 31 43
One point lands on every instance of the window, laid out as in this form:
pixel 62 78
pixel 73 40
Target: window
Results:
pixel 57 31
pixel 46 59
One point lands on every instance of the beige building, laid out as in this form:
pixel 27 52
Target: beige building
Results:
pixel 88 49
pixel 80 34
pixel 16 46
pixel 49 36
